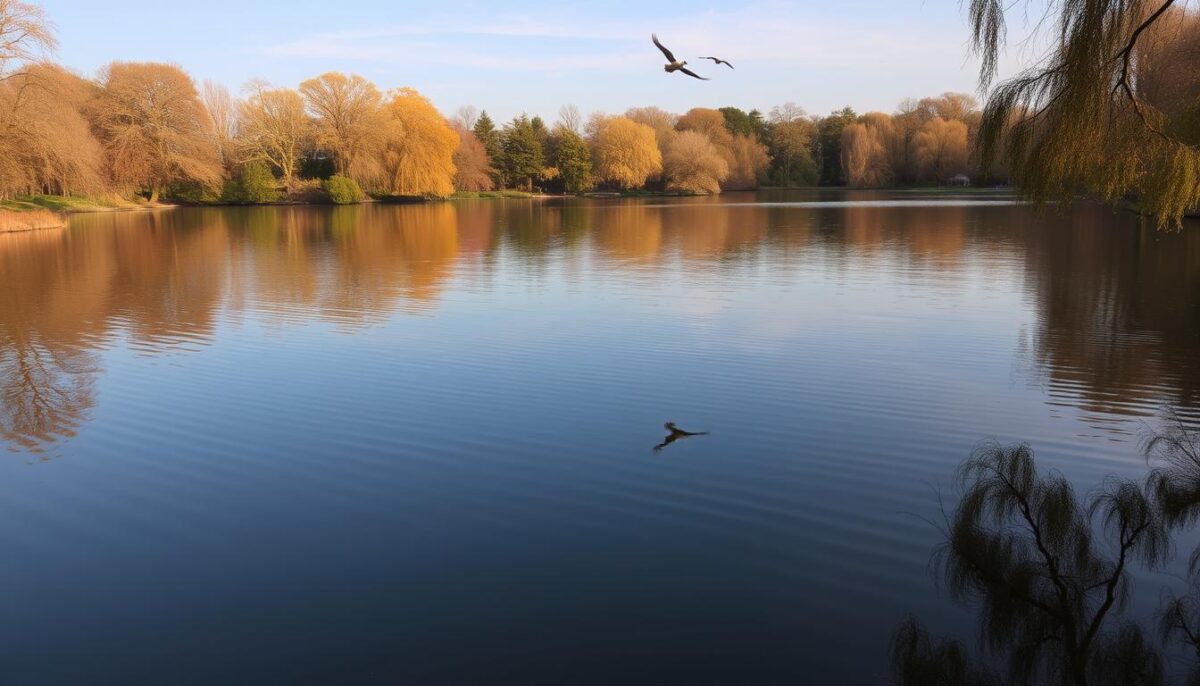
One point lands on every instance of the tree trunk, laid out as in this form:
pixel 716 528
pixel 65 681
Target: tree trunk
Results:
pixel 154 192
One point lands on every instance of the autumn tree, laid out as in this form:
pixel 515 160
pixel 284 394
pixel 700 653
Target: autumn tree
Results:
pixel 274 128
pixel 660 120
pixel 866 160
pixel 47 146
pixel 624 152
pixel 693 165
pixel 25 34
pixel 745 157
pixel 222 113
pixel 941 148
pixel 748 162
pixel 347 122
pixel 523 153
pixel 907 120
pixel 153 127
pixel 573 159
pixel 948 106
pixel 709 122
pixel 419 147
pixel 473 171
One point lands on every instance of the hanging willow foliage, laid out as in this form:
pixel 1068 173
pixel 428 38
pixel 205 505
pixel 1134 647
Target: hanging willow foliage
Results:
pixel 1079 120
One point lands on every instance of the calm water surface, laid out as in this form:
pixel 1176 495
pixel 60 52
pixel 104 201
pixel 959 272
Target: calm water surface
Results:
pixel 412 444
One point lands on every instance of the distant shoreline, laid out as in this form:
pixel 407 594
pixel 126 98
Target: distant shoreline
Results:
pixel 31 213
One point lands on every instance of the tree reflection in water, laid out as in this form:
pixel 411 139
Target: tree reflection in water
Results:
pixel 1048 574
pixel 1112 328
pixel 45 392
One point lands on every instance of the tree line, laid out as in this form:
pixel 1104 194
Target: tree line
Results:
pixel 149 129
pixel 142 128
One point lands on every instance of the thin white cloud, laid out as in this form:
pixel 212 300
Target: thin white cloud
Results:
pixel 777 34
pixel 444 53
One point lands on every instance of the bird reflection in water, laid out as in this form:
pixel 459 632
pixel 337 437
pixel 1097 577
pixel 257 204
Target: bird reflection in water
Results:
pixel 676 433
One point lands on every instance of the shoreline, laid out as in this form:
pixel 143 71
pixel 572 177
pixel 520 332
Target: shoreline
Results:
pixel 19 216
pixel 35 213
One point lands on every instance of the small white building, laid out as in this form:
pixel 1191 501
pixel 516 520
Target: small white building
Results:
pixel 959 180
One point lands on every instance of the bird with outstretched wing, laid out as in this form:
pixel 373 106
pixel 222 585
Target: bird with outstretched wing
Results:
pixel 718 60
pixel 674 65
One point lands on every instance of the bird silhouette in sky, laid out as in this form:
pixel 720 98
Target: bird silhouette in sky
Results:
pixel 718 60
pixel 674 65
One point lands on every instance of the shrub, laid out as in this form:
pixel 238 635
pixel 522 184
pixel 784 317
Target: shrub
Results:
pixel 190 192
pixel 342 190
pixel 254 184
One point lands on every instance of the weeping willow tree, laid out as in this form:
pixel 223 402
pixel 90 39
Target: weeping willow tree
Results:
pixel 1080 119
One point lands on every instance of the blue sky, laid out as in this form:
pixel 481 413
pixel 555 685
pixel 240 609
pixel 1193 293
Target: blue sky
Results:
pixel 513 57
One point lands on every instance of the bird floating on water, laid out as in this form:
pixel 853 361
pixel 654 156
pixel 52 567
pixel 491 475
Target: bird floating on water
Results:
pixel 718 60
pixel 675 434
pixel 674 65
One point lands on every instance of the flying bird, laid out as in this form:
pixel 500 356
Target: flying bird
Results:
pixel 718 60
pixel 674 65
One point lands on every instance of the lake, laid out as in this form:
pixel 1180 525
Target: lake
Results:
pixel 414 444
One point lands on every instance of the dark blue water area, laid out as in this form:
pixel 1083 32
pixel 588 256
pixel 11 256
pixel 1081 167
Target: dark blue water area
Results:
pixel 414 444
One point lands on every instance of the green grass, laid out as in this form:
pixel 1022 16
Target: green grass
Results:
pixel 472 195
pixel 60 203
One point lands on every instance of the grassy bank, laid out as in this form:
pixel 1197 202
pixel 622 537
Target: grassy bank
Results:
pixel 28 212
pixel 473 195
pixel 68 204
pixel 29 219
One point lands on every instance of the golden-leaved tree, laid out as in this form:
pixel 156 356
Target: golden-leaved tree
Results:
pixel 660 120
pixel 624 152
pixel 693 165
pixel 941 149
pixel 153 127
pixel 745 157
pixel 25 34
pixel 419 146
pixel 47 146
pixel 709 122
pixel 348 122
pixel 748 163
pixel 273 128
pixel 866 154
pixel 222 113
